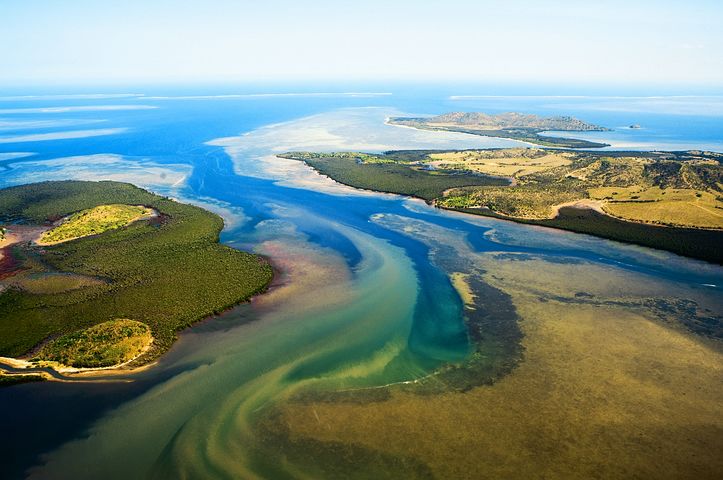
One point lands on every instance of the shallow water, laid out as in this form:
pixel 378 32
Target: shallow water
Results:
pixel 364 304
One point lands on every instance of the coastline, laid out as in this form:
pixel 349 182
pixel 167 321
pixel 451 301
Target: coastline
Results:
pixel 644 232
pixel 65 372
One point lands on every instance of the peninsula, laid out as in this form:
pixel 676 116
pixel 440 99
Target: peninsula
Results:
pixel 97 275
pixel 515 126
pixel 667 200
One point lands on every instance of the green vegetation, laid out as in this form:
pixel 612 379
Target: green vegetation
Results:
pixel 390 173
pixel 94 221
pixel 103 345
pixel 515 126
pixel 166 272
pixel 519 201
pixel 667 200
pixel 8 380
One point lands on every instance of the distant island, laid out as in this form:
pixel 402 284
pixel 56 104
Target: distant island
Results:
pixel 512 125
pixel 98 275
pixel 666 200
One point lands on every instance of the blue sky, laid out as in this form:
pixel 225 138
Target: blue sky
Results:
pixel 603 42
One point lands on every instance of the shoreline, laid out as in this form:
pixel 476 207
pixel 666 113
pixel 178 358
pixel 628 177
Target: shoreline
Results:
pixel 714 258
pixel 66 373
pixel 580 205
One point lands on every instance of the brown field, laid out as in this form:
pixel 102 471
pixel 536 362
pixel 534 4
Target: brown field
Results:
pixel 508 162
pixel 672 206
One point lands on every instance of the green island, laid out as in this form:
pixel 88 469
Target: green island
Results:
pixel 515 126
pixel 98 274
pixel 666 200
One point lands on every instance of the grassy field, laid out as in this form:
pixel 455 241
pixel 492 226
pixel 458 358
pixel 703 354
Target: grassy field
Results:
pixel 94 221
pixel 671 206
pixel 166 272
pixel 103 345
pixel 390 174
pixel 514 162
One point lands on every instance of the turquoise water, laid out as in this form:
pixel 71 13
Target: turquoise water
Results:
pixel 364 298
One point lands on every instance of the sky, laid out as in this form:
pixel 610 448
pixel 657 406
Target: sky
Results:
pixel 131 41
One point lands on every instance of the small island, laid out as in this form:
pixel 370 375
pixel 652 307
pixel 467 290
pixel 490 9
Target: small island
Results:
pixel 666 200
pixel 102 275
pixel 515 126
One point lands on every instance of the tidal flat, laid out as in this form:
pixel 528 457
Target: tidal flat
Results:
pixel 609 387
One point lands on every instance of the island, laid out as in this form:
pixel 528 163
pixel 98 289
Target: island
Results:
pixel 513 125
pixel 666 200
pixel 102 275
